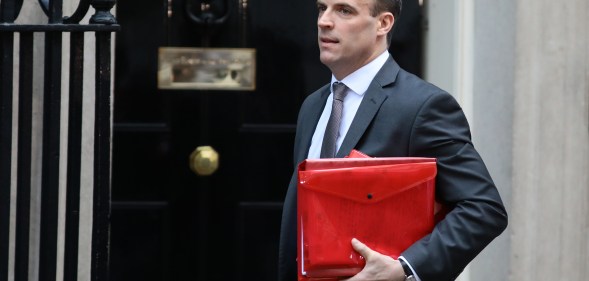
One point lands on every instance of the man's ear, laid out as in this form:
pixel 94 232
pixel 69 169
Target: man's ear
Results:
pixel 386 22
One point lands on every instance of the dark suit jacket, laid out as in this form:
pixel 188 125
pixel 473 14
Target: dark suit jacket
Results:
pixel 402 115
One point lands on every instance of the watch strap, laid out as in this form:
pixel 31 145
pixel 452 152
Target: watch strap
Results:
pixel 407 269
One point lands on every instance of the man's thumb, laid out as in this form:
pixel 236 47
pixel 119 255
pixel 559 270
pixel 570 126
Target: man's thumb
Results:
pixel 361 248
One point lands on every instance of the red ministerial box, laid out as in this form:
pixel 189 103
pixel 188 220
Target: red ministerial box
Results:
pixel 387 203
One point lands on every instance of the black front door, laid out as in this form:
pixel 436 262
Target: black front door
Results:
pixel 169 223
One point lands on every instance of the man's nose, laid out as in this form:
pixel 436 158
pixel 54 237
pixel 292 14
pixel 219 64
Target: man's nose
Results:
pixel 324 20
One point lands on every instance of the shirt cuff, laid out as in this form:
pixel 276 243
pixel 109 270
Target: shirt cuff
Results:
pixel 409 264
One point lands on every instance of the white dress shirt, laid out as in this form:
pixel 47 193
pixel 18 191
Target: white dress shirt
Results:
pixel 357 83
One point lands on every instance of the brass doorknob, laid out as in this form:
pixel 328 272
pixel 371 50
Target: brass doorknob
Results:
pixel 204 160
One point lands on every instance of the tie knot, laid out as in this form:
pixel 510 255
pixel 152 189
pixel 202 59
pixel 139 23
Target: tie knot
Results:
pixel 339 91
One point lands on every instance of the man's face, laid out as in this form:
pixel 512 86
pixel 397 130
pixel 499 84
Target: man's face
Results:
pixel 347 34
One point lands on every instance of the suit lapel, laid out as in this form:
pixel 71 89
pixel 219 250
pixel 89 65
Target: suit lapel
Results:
pixel 312 115
pixel 375 95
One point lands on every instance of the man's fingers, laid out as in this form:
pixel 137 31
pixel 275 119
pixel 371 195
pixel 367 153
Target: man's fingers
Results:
pixel 361 248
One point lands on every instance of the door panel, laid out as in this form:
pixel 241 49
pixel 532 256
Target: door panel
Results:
pixel 224 226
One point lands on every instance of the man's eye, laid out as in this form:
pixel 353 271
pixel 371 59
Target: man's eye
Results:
pixel 321 8
pixel 345 11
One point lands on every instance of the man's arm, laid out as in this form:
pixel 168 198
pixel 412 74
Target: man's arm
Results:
pixel 463 182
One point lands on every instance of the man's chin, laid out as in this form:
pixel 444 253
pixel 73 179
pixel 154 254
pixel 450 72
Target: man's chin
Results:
pixel 327 59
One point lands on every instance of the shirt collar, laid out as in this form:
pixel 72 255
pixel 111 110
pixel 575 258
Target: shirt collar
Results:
pixel 359 80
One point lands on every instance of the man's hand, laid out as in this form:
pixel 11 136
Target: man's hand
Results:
pixel 378 266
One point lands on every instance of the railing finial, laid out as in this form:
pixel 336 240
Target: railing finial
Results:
pixel 103 15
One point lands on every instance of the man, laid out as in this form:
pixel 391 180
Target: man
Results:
pixel 388 112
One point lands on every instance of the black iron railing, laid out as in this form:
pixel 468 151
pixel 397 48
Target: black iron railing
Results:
pixel 102 24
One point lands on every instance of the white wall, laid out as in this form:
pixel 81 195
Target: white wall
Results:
pixel 493 96
pixel 529 112
pixel 550 216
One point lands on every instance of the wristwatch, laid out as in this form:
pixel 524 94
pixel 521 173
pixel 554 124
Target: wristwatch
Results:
pixel 408 272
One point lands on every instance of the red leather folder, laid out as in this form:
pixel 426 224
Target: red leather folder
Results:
pixel 387 203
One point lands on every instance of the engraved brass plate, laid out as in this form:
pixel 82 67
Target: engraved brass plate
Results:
pixel 207 69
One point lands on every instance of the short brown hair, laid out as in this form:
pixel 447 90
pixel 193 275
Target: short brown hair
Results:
pixel 392 6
